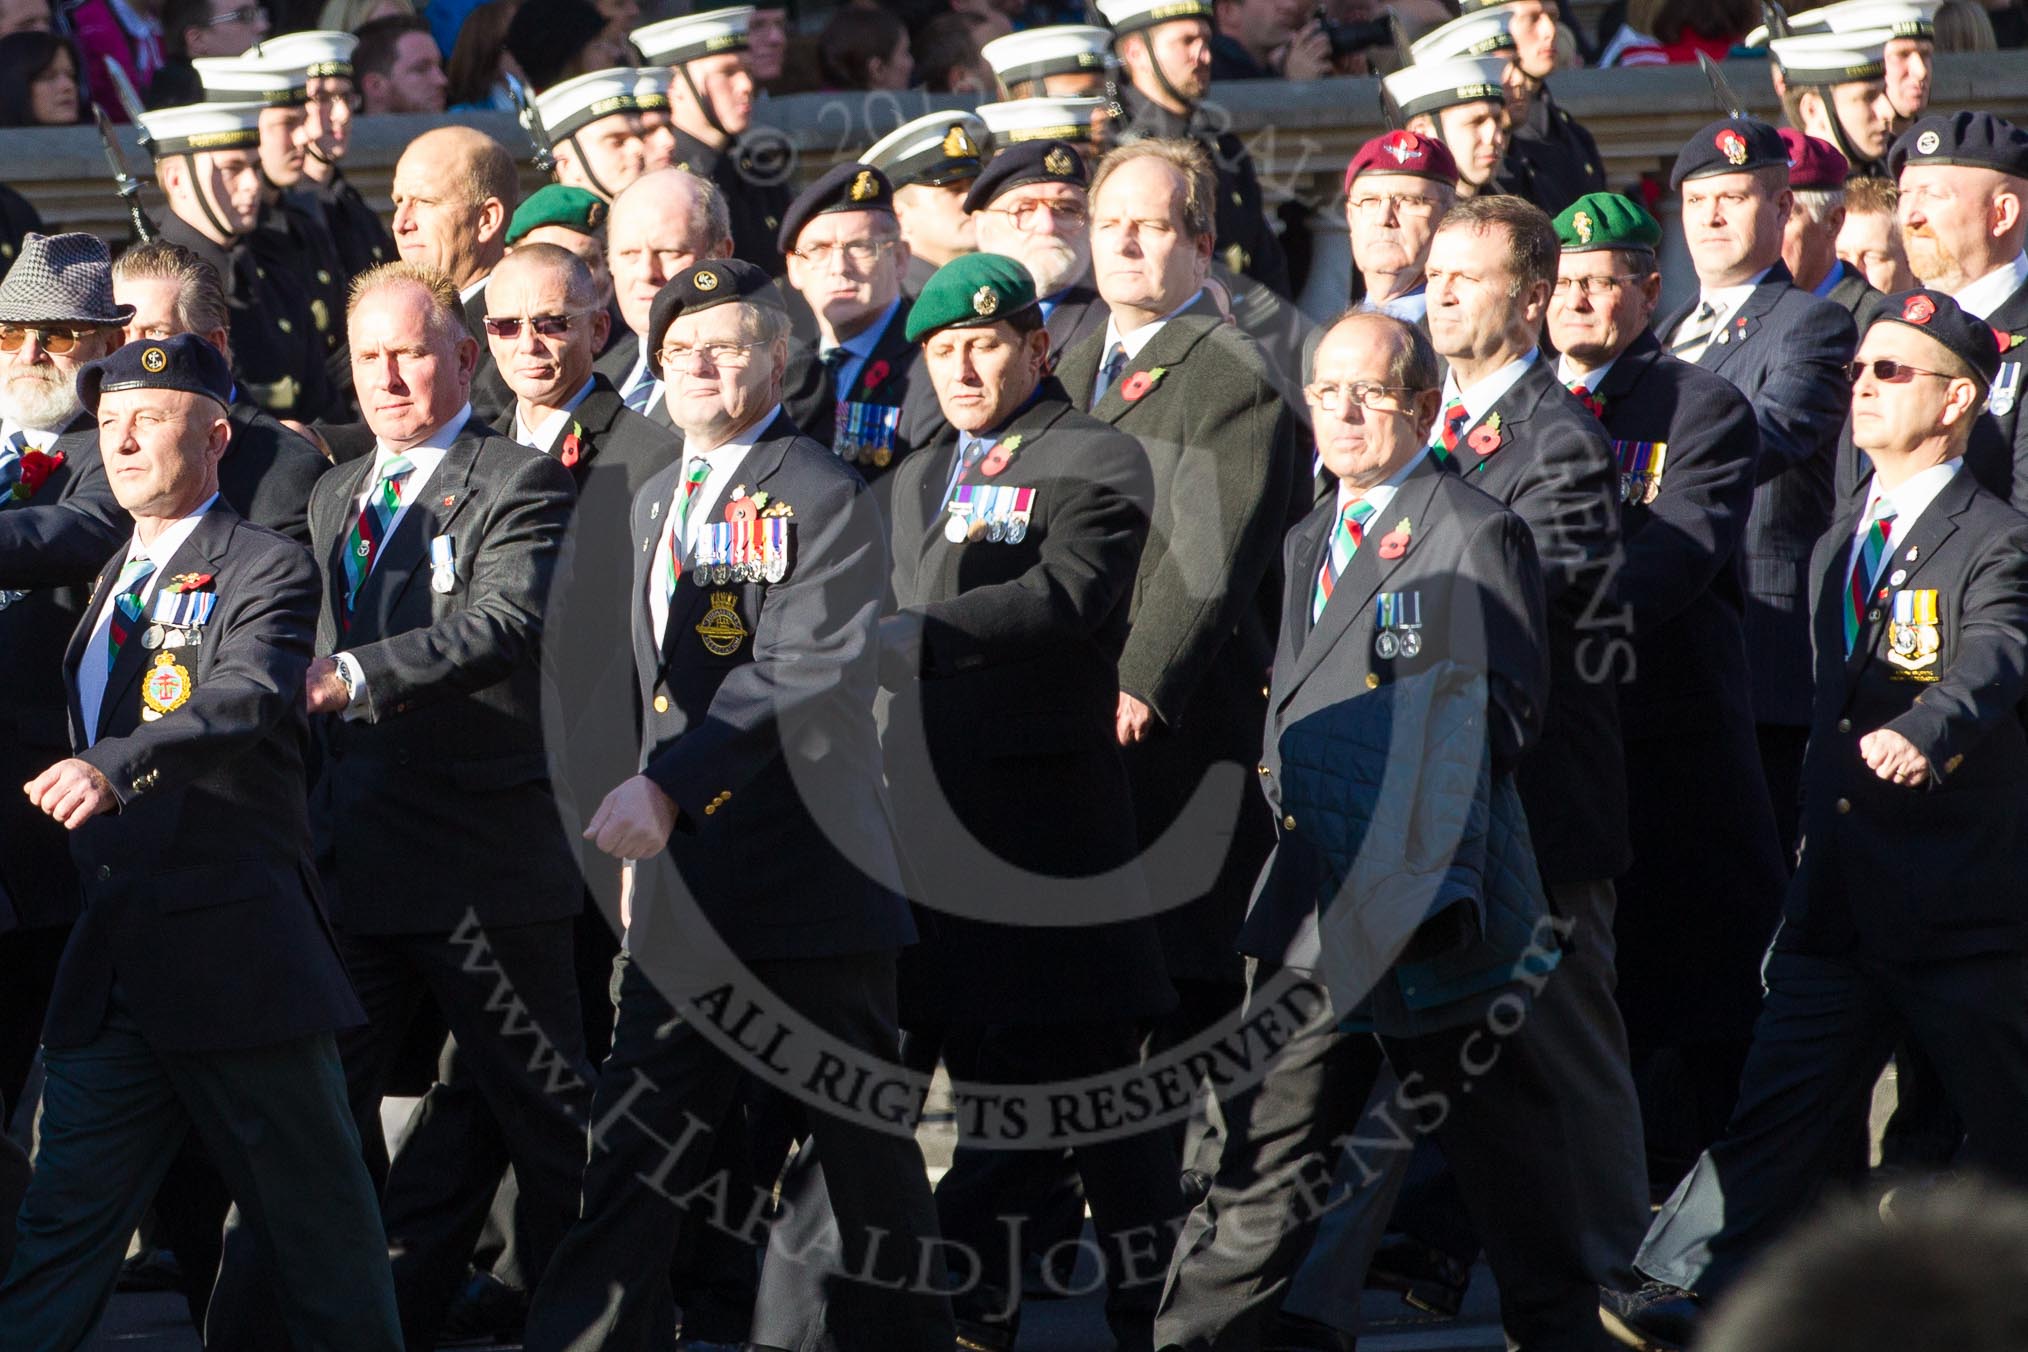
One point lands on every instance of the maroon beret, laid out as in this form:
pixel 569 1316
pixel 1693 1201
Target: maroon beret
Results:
pixel 1813 162
pixel 1404 152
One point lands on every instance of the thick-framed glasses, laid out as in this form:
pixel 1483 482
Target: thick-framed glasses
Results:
pixel 56 342
pixel 1027 215
pixel 1404 204
pixel 860 253
pixel 1374 398
pixel 678 355
pixel 545 326
pixel 1890 372
pixel 1593 288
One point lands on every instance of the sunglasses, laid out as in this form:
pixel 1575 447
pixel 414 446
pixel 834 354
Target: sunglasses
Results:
pixel 1887 371
pixel 56 342
pixel 545 326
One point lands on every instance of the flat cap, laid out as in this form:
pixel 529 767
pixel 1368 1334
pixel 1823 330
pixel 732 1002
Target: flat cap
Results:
pixel 1131 16
pixel 1731 145
pixel 970 291
pixel 557 204
pixel 1814 163
pixel 1606 220
pixel 721 281
pixel 1976 139
pixel 1404 152
pixel 185 362
pixel 938 149
pixel 1970 338
pixel 1028 162
pixel 842 187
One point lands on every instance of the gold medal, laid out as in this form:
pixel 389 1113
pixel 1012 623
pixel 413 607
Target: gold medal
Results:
pixel 166 686
pixel 721 628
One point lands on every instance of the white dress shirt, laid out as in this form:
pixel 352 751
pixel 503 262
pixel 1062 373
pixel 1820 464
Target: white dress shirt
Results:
pixel 1909 501
pixel 425 456
pixel 542 436
pixel 1990 292
pixel 1591 380
pixel 32 438
pixel 1488 390
pixel 1141 337
pixel 1381 494
pixel 92 669
pixel 725 461
pixel 1726 300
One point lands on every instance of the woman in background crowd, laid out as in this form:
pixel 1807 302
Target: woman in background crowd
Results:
pixel 38 82
pixel 480 63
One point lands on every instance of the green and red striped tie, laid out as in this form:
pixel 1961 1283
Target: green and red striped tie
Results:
pixel 694 474
pixel 1451 428
pixel 1345 538
pixel 134 575
pixel 370 530
pixel 1865 568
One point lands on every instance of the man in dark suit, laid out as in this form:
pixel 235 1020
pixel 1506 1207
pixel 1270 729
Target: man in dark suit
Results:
pixel 201 986
pixel 438 834
pixel 1032 203
pixel 1783 349
pixel 1171 373
pixel 1414 603
pixel 1017 535
pixel 663 222
pixel 58 524
pixel 756 678
pixel 859 389
pixel 1902 916
pixel 1810 235
pixel 1699 903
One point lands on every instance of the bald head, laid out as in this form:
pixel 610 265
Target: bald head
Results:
pixel 660 224
pixel 454 192
pixel 542 263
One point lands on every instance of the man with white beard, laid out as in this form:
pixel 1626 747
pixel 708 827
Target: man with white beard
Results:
pixel 1031 204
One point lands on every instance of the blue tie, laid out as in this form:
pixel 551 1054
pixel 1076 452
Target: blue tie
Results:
pixel 1116 362
pixel 641 392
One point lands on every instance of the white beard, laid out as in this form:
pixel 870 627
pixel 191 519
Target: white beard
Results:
pixel 1054 267
pixel 45 401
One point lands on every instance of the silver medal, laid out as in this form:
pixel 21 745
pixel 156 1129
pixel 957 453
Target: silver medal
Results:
pixel 1017 530
pixel 175 638
pixel 1386 645
pixel 996 530
pixel 1411 643
pixel 778 568
pixel 151 637
pixel 954 529
pixel 442 580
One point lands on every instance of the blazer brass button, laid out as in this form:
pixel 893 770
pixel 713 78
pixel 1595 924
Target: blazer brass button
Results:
pixel 661 704
pixel 1288 823
pixel 1844 725
pixel 1844 806
pixel 1372 680
pixel 105 872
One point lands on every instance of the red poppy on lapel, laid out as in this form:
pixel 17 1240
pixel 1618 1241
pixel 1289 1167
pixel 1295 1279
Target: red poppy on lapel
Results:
pixel 1484 439
pixel 1001 456
pixel 571 446
pixel 1393 544
pixel 741 509
pixel 1140 382
pixel 874 374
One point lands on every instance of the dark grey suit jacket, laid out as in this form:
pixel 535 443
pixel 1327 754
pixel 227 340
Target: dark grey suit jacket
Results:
pixel 1785 350
pixel 892 377
pixel 200 901
pixel 783 846
pixel 616 363
pixel 435 800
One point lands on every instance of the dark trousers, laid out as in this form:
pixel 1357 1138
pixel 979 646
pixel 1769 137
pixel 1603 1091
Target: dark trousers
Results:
pixel 510 998
pixel 989 1201
pixel 663 1093
pixel 1825 1032
pixel 1781 760
pixel 274 1118
pixel 28 959
pixel 1506 1140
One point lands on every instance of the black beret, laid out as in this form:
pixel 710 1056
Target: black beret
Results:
pixel 717 282
pixel 1978 139
pixel 1027 162
pixel 1943 319
pixel 844 187
pixel 1731 145
pixel 185 362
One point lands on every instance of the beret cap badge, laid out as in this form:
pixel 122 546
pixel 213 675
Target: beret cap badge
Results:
pixel 864 189
pixel 1057 161
pixel 985 301
pixel 1582 224
pixel 1918 310
pixel 706 281
pixel 1927 143
pixel 154 361
pixel 1733 144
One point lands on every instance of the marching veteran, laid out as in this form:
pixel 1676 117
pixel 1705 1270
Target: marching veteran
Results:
pixel 200 988
pixel 1901 917
pixel 1017 538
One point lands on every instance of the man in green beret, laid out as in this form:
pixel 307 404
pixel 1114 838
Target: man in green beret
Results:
pixel 573 219
pixel 1017 534
pixel 1699 903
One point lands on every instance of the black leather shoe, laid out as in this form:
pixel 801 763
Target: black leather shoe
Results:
pixel 486 1311
pixel 1657 1318
pixel 1293 1333
pixel 1427 1278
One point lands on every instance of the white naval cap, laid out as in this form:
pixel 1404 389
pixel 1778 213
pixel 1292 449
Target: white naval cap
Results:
pixel 256 77
pixel 1480 34
pixel 1831 58
pixel 651 88
pixel 578 102
pixel 674 41
pixel 197 127
pixel 1043 119
pixel 1901 19
pixel 1131 16
pixel 1060 49
pixel 326 51
pixel 1426 88
pixel 938 148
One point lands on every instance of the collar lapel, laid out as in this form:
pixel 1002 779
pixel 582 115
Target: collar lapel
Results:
pixel 439 503
pixel 1166 348
pixel 201 553
pixel 1640 356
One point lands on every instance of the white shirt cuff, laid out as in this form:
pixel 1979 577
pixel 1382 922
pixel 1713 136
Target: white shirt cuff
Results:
pixel 355 685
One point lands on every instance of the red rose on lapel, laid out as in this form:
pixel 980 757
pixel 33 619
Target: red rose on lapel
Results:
pixel 36 467
pixel 874 374
pixel 1484 440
